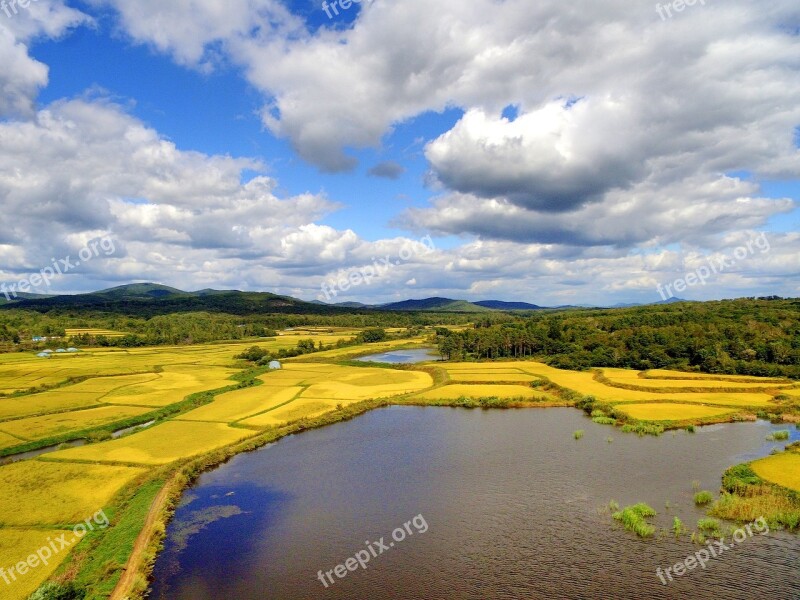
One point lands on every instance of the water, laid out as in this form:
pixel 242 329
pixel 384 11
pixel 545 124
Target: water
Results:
pixel 513 503
pixel 12 458
pixel 402 357
pixel 120 432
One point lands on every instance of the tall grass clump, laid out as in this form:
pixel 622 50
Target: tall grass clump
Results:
pixel 677 527
pixel 578 434
pixel 778 436
pixel 703 498
pixel 634 518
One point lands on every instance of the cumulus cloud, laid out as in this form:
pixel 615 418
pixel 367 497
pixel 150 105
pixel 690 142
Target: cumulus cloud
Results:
pixel 387 170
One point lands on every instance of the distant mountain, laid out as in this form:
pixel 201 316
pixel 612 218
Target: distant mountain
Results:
pixel 140 290
pixel 434 305
pixel 500 305
pixel 634 305
pixel 19 296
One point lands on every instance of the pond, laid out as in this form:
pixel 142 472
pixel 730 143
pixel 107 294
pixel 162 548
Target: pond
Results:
pixel 403 357
pixel 513 507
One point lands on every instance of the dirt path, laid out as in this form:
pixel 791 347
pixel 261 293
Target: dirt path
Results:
pixel 134 562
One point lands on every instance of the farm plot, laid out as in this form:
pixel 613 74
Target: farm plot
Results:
pixel 171 386
pixel 240 404
pixel 36 428
pixel 158 445
pixel 456 391
pixel 671 412
pixel 40 493
pixel 15 547
pixel 632 378
pixel 301 408
pixel 783 469
pixel 81 395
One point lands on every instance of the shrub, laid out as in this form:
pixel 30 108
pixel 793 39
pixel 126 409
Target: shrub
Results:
pixel 578 434
pixel 58 591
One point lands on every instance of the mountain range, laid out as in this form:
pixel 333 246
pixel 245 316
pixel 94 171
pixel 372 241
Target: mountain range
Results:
pixel 156 298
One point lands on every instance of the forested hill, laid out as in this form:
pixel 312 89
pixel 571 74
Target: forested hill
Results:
pixel 747 336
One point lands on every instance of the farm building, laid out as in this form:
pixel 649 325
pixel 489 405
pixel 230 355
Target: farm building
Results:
pixel 275 365
pixel 43 355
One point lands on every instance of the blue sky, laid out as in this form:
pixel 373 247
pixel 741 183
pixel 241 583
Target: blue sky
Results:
pixel 258 144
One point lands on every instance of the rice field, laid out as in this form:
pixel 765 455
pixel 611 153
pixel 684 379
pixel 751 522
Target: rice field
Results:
pixel 171 386
pixel 629 377
pixel 40 493
pixel 494 376
pixel 456 391
pixel 299 409
pixel 240 404
pixel 15 546
pixel 671 412
pixel 8 441
pixel 36 428
pixel 783 469
pixel 159 445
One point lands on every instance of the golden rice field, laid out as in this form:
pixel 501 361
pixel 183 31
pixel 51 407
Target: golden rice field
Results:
pixel 667 374
pixel 585 383
pixel 8 441
pixel 671 412
pixel 783 469
pixel 629 377
pixel 240 404
pixel 15 546
pixel 494 376
pixel 456 391
pixel 36 428
pixel 173 385
pixel 40 493
pixel 158 445
pixel 299 409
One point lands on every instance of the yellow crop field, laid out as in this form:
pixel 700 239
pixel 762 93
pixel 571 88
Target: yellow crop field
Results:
pixel 158 445
pixel 585 383
pixel 292 412
pixel 456 391
pixel 16 545
pixel 47 402
pixel 343 353
pixel 493 376
pixel 7 441
pixel 632 378
pixel 36 428
pixel 667 374
pixel 48 493
pixel 783 469
pixel 233 406
pixel 171 386
pixel 364 383
pixel 671 412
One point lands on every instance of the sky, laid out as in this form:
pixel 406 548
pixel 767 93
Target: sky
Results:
pixel 559 153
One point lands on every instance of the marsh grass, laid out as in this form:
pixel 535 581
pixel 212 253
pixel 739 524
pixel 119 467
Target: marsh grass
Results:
pixel 578 434
pixel 703 498
pixel 634 519
pixel 778 436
